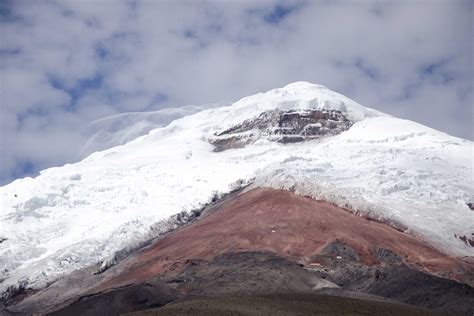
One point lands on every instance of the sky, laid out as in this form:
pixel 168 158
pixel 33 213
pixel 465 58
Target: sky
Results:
pixel 64 64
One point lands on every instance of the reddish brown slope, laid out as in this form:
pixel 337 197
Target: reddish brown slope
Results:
pixel 286 224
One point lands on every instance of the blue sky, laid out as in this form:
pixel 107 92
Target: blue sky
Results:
pixel 64 64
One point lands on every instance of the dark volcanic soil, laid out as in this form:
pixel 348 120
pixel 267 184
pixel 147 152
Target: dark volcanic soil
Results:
pixel 278 253
pixel 243 278
pixel 284 304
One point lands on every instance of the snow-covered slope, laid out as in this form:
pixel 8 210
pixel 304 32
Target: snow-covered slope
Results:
pixel 121 128
pixel 80 214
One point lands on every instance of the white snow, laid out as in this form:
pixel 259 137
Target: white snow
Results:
pixel 121 128
pixel 80 214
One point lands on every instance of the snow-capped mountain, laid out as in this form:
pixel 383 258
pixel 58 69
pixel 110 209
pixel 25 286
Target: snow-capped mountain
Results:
pixel 302 137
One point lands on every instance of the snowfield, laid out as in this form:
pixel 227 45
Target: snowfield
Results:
pixel 81 214
pixel 121 128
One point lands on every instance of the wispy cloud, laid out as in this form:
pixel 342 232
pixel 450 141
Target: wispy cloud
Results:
pixel 66 63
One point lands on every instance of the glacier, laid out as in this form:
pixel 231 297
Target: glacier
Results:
pixel 382 167
pixel 121 128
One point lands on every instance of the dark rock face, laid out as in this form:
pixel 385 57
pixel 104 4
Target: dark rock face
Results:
pixel 467 240
pixel 388 256
pixel 260 273
pixel 401 283
pixel 284 127
pixel 339 249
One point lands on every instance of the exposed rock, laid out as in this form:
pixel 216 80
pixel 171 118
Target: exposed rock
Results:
pixel 388 256
pixel 15 293
pixel 470 205
pixel 467 240
pixel 284 127
pixel 341 250
pixel 404 284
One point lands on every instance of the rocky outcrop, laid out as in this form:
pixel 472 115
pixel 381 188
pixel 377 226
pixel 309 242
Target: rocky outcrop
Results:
pixel 467 240
pixel 284 127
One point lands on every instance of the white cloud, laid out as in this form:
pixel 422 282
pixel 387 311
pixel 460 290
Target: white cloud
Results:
pixel 66 63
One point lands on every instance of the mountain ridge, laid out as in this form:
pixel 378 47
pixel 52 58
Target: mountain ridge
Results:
pixel 79 214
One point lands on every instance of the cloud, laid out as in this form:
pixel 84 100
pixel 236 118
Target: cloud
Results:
pixel 67 63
